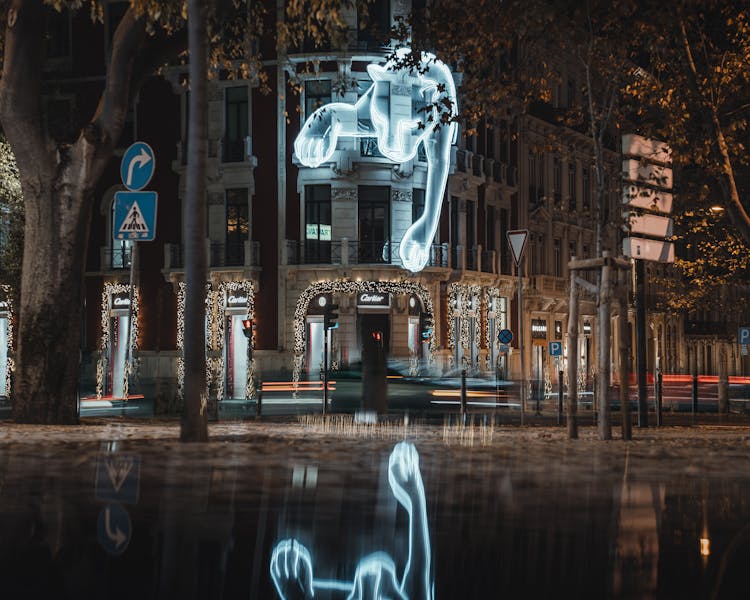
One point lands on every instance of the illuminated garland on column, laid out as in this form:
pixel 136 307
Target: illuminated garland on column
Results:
pixel 347 287
pixel 460 298
pixel 246 288
pixel 181 292
pixel 111 288
pixel 10 363
pixel 490 294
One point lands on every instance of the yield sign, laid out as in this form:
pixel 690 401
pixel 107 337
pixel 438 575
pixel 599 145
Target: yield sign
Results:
pixel 517 243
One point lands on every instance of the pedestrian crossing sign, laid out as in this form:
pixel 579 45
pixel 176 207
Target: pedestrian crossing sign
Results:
pixel 134 216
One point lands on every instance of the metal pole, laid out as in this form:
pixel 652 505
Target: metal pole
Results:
pixel 640 341
pixel 325 370
pixel 520 340
pixel 463 396
pixel 131 295
pixel 559 395
pixel 695 391
pixel 657 396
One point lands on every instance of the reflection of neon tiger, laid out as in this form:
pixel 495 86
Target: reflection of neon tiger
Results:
pixel 401 109
pixel 375 577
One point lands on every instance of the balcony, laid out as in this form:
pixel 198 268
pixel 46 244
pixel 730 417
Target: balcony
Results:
pixel 114 259
pixel 227 151
pixel 354 252
pixel 720 328
pixel 473 259
pixel 220 256
pixel 548 284
pixel 368 148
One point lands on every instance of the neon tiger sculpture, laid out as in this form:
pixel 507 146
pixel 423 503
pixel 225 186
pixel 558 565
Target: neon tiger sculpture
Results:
pixel 402 109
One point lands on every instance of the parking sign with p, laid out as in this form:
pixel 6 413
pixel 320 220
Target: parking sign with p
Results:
pixel 744 336
pixel 555 348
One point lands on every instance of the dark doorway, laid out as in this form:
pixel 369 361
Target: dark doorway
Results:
pixel 374 336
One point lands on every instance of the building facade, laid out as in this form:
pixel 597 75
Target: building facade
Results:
pixel 284 240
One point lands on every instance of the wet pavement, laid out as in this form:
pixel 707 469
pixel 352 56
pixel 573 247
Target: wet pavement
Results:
pixel 119 508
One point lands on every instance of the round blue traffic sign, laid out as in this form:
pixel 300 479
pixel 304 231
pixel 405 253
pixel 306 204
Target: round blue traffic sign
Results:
pixel 137 166
pixel 114 529
pixel 505 336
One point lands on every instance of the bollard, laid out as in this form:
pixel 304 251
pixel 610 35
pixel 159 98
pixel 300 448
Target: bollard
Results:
pixel 259 405
pixel 657 396
pixel 695 394
pixel 463 395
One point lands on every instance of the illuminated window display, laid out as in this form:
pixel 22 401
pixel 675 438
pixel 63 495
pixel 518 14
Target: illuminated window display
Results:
pixel 392 110
pixel 375 577
pixel 118 349
pixel 6 340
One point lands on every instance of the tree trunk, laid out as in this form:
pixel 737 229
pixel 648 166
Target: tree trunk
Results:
pixel 57 183
pixel 603 363
pixel 572 402
pixel 48 356
pixel 194 425
pixel 624 365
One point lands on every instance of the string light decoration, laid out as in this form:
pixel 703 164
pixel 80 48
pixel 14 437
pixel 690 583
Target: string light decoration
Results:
pixel 226 289
pixel 10 364
pixel 210 303
pixel 110 289
pixel 491 296
pixel 348 287
pixel 461 298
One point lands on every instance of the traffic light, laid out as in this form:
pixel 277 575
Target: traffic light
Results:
pixel 330 317
pixel 248 327
pixel 426 330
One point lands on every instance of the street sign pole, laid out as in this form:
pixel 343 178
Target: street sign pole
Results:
pixel 520 338
pixel 517 242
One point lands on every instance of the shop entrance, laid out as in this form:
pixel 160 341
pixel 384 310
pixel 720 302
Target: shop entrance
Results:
pixel 119 331
pixel 4 343
pixel 374 335
pixel 235 355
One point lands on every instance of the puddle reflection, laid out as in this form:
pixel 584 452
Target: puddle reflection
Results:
pixel 362 519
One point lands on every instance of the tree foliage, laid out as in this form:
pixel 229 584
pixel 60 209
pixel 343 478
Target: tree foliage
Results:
pixel 11 219
pixel 59 173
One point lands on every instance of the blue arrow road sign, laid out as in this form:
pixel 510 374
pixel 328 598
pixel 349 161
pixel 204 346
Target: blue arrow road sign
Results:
pixel 505 336
pixel 555 348
pixel 744 336
pixel 114 529
pixel 135 216
pixel 137 166
pixel 117 477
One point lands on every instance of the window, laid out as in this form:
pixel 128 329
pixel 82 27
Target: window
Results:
pixel 557 251
pixel 373 30
pixel 571 92
pixel 536 177
pixel 537 254
pixel 557 176
pixel 572 200
pixel 489 241
pixel 572 249
pixel 57 33
pixel 417 204
pixel 586 189
pixel 236 128
pixel 237 226
pixel 121 249
pixel 471 216
pixel 471 238
pixel 505 253
pixel 374 224
pixel 318 224
pixel 317 93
